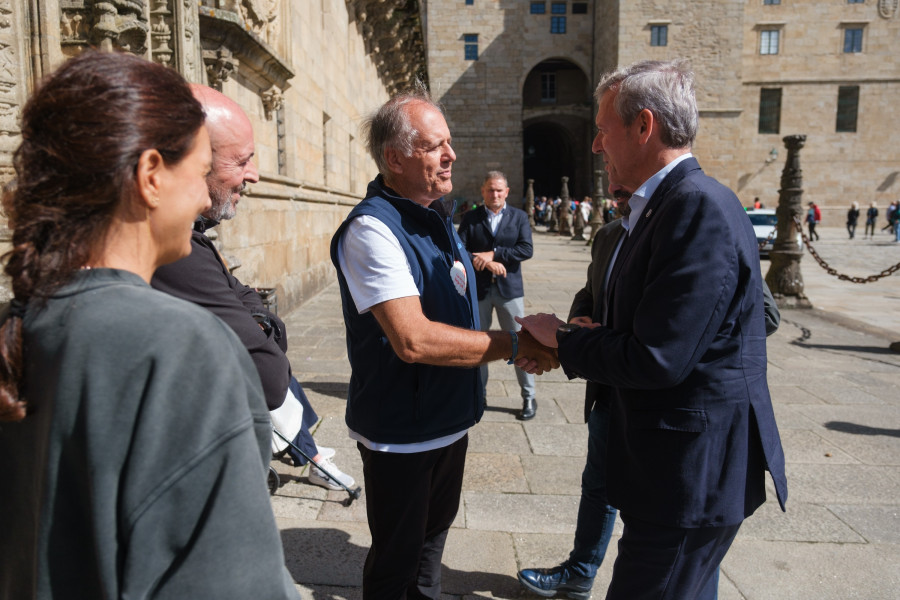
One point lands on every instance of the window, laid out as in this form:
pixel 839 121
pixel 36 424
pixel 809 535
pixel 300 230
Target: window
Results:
pixel 538 8
pixel 847 108
pixel 769 110
pixel 771 1
pixel 548 87
pixel 853 37
pixel 768 41
pixel 558 8
pixel 579 8
pixel 659 35
pixel 856 1
pixel 471 42
pixel 470 2
pixel 557 24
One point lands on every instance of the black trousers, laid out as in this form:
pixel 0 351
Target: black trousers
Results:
pixel 668 563
pixel 411 501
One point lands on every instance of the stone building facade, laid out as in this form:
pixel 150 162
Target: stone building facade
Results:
pixel 305 72
pixel 824 69
pixel 516 79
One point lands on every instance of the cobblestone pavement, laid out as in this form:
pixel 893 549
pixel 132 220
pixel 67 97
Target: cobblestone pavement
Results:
pixel 835 387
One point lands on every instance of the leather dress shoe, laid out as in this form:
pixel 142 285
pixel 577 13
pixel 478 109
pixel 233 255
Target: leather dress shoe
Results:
pixel 558 580
pixel 529 409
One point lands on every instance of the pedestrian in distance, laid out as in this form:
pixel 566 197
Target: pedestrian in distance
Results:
pixel 852 218
pixel 871 219
pixel 813 216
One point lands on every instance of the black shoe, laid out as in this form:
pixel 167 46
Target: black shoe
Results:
pixel 549 582
pixel 529 409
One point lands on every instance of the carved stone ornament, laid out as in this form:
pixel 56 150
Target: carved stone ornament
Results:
pixel 392 32
pixel 272 100
pixel 888 8
pixel 220 64
pixel 120 25
pixel 230 45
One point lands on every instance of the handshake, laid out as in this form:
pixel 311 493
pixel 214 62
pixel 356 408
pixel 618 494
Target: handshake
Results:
pixel 537 341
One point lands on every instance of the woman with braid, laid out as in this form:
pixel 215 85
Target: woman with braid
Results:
pixel 122 473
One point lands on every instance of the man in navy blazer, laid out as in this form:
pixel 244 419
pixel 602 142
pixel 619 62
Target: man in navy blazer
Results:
pixel 498 238
pixel 692 430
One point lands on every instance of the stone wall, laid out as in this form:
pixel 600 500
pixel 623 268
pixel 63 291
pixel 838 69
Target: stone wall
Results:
pixel 483 99
pixel 306 73
pixel 721 40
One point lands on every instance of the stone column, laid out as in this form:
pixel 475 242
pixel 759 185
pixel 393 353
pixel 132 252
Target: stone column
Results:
pixel 565 223
pixel 784 277
pixel 529 202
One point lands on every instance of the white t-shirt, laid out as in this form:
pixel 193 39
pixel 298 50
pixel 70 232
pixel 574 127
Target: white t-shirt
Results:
pixel 376 270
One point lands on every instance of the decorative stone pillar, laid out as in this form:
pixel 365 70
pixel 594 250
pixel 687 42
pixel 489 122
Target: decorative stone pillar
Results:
pixel 554 220
pixel 529 203
pixel 578 225
pixel 784 277
pixel 597 208
pixel 565 222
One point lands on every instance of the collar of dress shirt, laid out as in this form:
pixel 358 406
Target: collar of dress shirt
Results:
pixel 642 195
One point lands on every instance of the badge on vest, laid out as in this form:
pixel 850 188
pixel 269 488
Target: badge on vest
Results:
pixel 458 276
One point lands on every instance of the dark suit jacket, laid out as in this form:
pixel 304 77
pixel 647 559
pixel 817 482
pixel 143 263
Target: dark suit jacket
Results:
pixel 588 301
pixel 692 429
pixel 202 278
pixel 511 246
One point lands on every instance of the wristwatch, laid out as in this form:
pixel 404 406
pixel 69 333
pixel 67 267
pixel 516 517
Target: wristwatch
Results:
pixel 563 330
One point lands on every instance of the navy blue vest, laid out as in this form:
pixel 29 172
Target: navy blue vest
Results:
pixel 391 401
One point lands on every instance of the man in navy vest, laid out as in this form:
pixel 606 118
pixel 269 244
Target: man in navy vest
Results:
pixel 410 310
pixel 498 238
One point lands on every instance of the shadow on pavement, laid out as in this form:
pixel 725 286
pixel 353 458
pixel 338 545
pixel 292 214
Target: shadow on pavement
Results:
pixel 846 348
pixel 335 389
pixel 329 564
pixel 861 429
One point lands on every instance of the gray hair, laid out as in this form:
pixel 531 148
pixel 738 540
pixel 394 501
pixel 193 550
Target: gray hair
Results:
pixel 495 175
pixel 666 89
pixel 389 126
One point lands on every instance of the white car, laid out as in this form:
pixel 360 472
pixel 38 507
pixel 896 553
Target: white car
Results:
pixel 764 221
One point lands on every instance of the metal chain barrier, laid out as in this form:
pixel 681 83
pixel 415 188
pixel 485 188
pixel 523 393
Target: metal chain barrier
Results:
pixel 827 267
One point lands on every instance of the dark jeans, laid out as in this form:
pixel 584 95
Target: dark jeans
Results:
pixel 595 517
pixel 668 563
pixel 411 501
pixel 812 231
pixel 304 439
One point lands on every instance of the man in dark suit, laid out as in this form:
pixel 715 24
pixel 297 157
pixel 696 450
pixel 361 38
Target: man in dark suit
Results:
pixel 692 430
pixel 574 578
pixel 498 238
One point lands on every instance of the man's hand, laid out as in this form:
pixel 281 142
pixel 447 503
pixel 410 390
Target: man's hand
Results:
pixel 538 357
pixel 542 326
pixel 480 260
pixel 497 269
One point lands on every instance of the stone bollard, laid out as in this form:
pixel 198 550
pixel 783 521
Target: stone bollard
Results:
pixel 784 277
pixel 529 203
pixel 565 214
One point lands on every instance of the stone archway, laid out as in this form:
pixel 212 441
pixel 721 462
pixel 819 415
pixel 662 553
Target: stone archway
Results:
pixel 547 156
pixel 557 131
